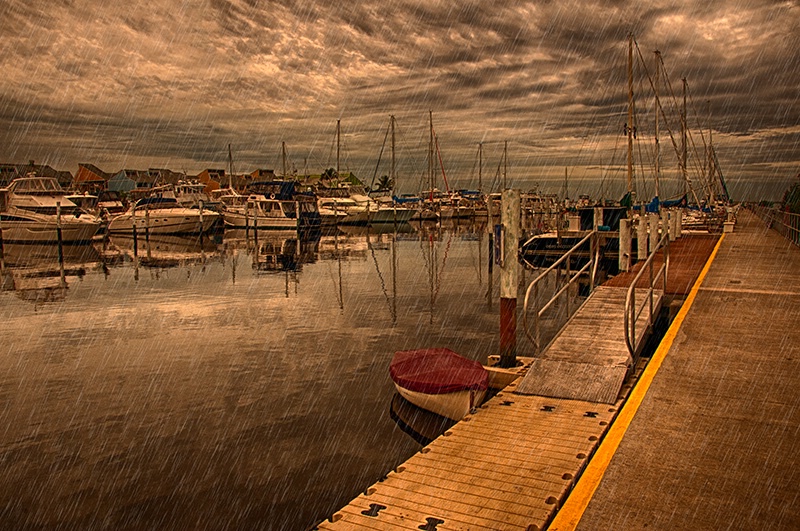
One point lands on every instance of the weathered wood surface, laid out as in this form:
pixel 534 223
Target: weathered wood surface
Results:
pixel 506 467
pixel 589 359
pixel 715 442
pixel 687 255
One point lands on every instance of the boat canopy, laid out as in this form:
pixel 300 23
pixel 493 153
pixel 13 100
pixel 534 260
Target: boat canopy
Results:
pixel 437 371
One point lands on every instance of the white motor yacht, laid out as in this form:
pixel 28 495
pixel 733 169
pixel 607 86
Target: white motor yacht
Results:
pixel 259 211
pixel 163 215
pixel 33 209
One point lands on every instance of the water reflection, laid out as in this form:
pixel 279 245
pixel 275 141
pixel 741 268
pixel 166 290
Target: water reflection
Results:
pixel 163 250
pixel 421 425
pixel 211 393
pixel 41 273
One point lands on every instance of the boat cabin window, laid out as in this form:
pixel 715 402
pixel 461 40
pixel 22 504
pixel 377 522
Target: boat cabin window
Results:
pixel 35 185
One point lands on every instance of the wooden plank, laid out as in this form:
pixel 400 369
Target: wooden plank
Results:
pixel 446 488
pixel 446 462
pixel 538 479
pixel 394 518
pixel 466 507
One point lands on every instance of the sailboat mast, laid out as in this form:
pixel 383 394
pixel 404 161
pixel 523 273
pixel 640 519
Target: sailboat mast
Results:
pixel 230 167
pixel 480 166
pixel 392 176
pixel 283 158
pixel 338 134
pixel 430 155
pixel 711 184
pixel 658 145
pixel 630 116
pixel 684 146
pixel 505 165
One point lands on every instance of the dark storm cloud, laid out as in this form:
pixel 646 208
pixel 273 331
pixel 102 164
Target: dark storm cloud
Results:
pixel 160 83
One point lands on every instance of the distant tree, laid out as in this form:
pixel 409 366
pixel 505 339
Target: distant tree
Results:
pixel 385 183
pixel 791 198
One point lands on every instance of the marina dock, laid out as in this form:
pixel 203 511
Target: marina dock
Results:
pixel 713 444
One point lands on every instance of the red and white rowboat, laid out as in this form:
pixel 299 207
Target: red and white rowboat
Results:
pixel 439 380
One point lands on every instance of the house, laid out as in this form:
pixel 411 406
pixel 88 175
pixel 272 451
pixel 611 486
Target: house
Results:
pixel 128 180
pixel 212 178
pixel 90 179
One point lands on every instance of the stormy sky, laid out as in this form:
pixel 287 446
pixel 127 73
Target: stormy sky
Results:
pixel 169 84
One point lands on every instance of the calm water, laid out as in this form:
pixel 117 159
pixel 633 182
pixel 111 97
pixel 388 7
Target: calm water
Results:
pixel 210 386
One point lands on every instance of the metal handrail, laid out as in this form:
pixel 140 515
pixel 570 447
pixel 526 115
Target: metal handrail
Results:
pixel 787 224
pixel 632 313
pixel 534 285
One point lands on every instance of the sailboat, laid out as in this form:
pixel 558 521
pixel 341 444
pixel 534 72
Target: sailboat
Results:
pixel 389 212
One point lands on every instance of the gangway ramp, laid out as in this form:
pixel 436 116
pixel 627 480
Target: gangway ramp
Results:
pixel 589 358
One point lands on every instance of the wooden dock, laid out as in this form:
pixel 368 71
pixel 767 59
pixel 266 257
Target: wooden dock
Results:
pixel 509 466
pixel 512 463
pixel 589 360
pixel 713 443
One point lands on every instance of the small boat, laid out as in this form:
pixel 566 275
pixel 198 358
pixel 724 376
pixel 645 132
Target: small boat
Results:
pixel 439 380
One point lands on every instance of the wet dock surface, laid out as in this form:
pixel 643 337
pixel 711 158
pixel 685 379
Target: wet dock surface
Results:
pixel 687 256
pixel 714 444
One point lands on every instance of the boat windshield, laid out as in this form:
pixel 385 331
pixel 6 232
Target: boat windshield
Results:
pixel 36 185
pixel 157 202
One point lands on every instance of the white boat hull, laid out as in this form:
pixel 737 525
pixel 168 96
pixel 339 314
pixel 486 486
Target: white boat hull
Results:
pixel 73 230
pixel 186 221
pixel 240 221
pixel 454 406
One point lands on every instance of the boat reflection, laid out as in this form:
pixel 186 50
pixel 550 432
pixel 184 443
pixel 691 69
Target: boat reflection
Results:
pixel 37 273
pixel 420 424
pixel 164 251
pixel 272 251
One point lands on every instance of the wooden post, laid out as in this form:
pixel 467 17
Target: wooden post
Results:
pixel 641 238
pixel 2 248
pixel 654 236
pixel 598 217
pixel 200 206
pixel 60 243
pixel 133 228
pixel 664 223
pixel 247 222
pixel 147 225
pixel 678 222
pixel 509 278
pixel 255 227
pixel 624 245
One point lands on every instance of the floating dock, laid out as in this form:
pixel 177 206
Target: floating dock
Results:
pixel 713 445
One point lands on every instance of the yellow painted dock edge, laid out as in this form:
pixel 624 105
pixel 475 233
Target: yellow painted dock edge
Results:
pixel 570 514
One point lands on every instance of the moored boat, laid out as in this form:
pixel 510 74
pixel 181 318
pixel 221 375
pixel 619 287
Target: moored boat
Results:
pixel 439 380
pixel 36 210
pixel 258 211
pixel 163 215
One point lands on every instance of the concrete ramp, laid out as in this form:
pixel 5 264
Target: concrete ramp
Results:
pixel 589 360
